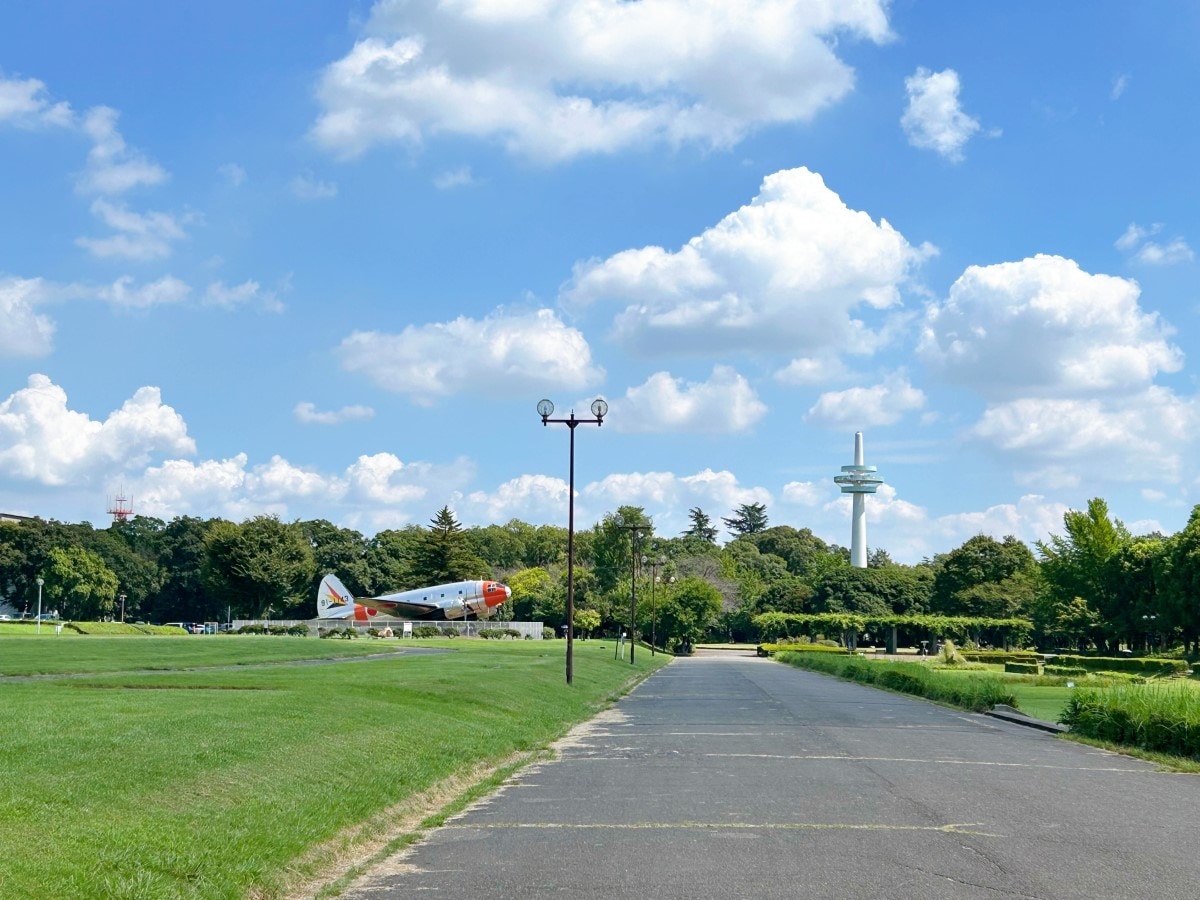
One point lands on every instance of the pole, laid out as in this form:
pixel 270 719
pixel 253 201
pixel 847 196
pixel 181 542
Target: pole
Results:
pixel 545 409
pixel 571 557
pixel 633 599
pixel 653 578
pixel 122 597
pixel 40 582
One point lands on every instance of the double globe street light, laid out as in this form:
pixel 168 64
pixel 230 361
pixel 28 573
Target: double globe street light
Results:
pixel 546 409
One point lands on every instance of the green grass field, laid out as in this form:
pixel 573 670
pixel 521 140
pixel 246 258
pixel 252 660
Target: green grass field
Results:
pixel 220 783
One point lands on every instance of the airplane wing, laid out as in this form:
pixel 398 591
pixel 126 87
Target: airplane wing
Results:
pixel 400 608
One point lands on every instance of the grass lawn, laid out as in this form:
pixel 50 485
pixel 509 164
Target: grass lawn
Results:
pixel 1041 702
pixel 221 783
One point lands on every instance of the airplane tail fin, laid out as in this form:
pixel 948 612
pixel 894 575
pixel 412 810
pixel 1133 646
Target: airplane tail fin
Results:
pixel 333 600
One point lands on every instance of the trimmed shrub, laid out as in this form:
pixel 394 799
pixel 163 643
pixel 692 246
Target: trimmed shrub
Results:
pixel 802 648
pixel 1065 671
pixel 425 631
pixel 1146 665
pixel 1023 668
pixel 997 657
pixel 547 634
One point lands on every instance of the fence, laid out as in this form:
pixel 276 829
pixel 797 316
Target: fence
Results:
pixel 462 629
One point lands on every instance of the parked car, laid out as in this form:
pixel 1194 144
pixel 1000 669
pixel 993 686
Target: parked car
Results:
pixel 5 618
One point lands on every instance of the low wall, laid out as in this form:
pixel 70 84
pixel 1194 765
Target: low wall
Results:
pixel 463 629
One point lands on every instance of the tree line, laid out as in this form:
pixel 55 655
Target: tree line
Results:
pixel 1092 586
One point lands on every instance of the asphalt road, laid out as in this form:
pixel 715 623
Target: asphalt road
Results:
pixel 732 776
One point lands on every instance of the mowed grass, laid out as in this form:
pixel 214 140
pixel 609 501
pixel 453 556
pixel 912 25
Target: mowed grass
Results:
pixel 59 654
pixel 220 783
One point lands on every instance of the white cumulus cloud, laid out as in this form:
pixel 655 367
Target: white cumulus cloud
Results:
pixel 498 355
pixel 553 80
pixel 725 404
pixel 24 102
pixel 112 166
pixel 306 186
pixel 1044 327
pixel 862 407
pixel 934 120
pixel 24 332
pixel 140 236
pixel 124 292
pixel 43 440
pixel 788 272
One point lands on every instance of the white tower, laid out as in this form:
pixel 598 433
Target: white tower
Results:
pixel 859 480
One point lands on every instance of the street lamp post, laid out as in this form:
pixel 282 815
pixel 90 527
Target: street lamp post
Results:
pixel 654 565
pixel 546 409
pixel 1150 635
pixel 40 582
pixel 121 597
pixel 633 561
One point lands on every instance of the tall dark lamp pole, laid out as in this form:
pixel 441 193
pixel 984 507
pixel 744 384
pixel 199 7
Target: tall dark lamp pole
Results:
pixel 546 409
pixel 633 561
pixel 654 565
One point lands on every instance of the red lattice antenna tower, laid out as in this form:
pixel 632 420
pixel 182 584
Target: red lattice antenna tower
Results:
pixel 120 509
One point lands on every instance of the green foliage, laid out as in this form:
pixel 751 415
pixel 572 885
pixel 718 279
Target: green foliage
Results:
pixel 445 555
pixel 701 529
pixel 802 647
pixel 749 518
pixel 775 625
pixel 1025 668
pixel 1145 665
pixel 999 656
pixel 426 631
pixel 79 584
pixel 985 578
pixel 1064 671
pixel 1163 719
pixel 976 693
pixel 587 620
pixel 262 567
pixel 949 655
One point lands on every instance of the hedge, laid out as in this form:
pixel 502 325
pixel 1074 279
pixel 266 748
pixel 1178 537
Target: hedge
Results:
pixel 802 648
pixel 1023 668
pixel 1065 671
pixel 1148 665
pixel 999 656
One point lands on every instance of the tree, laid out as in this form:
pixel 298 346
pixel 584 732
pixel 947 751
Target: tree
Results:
pixel 612 543
pixel 184 595
pixel 390 558
pixel 342 551
pixel 260 568
pixel 79 584
pixel 749 518
pixel 1076 565
pixel 587 620
pixel 701 528
pixel 684 615
pixel 979 561
pixel 444 554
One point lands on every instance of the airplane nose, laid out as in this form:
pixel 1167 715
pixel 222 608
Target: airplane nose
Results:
pixel 495 593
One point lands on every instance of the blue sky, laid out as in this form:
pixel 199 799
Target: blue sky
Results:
pixel 322 260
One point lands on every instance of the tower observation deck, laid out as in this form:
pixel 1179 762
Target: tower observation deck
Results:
pixel 858 480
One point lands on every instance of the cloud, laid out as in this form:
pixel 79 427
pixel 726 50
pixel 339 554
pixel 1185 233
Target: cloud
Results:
pixel 811 370
pixel 1044 327
pixel 112 166
pixel 124 293
pixel 1151 252
pixel 23 103
pixel 499 355
pixel 527 497
pixel 552 81
pixel 667 496
pixel 1061 441
pixel 307 187
pixel 308 414
pixel 140 236
pixel 786 273
pixel 452 178
pixel 804 493
pixel 863 407
pixel 248 292
pixel 42 440
pixel 23 331
pixel 934 120
pixel 725 404
pixel 234 174
pixel 1119 84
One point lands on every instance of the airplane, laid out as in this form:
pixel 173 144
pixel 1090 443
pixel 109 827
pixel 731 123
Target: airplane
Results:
pixel 442 601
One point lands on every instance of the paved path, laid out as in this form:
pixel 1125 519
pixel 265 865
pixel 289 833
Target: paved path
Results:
pixel 740 777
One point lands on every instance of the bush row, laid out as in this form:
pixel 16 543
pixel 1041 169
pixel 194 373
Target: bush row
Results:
pixel 297 630
pixel 1066 671
pixel 976 693
pixel 999 656
pixel 1148 665
pixel 1160 718
pixel 1032 667
pixel 802 648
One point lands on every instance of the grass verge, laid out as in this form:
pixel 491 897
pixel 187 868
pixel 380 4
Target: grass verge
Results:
pixel 235 783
